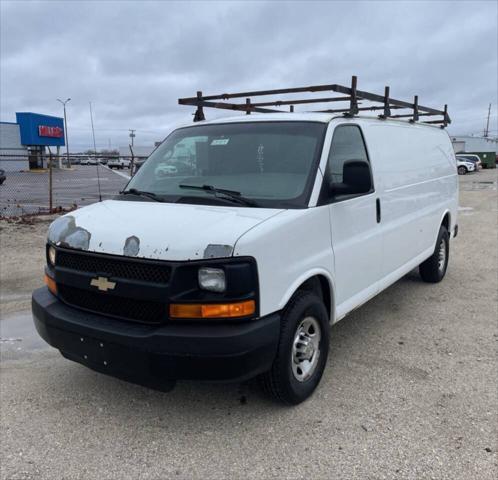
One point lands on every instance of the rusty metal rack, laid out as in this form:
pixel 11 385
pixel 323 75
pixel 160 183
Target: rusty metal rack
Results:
pixel 348 94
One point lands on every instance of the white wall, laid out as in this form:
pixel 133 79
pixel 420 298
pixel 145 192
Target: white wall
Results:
pixel 10 146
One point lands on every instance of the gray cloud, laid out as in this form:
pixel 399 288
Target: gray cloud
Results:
pixel 134 59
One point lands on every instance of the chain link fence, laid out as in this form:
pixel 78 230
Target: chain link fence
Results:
pixel 42 184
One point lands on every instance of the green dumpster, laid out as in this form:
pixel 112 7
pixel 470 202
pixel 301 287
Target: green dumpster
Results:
pixel 488 159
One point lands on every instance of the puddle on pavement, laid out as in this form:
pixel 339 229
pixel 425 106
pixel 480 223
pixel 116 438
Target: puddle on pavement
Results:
pixel 465 210
pixel 18 335
pixel 478 185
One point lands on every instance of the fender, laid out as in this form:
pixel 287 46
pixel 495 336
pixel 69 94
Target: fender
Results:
pixel 450 223
pixel 294 286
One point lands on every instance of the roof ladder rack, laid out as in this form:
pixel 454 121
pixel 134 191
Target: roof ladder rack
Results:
pixel 351 94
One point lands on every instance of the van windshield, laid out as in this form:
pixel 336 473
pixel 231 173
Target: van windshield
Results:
pixel 267 164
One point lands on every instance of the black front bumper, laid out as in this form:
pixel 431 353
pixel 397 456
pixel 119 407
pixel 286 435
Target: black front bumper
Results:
pixel 156 355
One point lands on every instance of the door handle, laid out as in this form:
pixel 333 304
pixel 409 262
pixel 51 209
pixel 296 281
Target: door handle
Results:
pixel 377 204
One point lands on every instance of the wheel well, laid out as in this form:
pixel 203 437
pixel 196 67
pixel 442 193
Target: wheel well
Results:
pixel 320 285
pixel 446 221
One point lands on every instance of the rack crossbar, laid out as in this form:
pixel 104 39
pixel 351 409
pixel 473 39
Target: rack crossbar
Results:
pixel 352 95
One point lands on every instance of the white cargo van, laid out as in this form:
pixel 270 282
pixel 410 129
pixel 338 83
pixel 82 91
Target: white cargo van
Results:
pixel 235 265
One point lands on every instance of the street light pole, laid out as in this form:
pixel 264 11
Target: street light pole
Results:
pixel 65 130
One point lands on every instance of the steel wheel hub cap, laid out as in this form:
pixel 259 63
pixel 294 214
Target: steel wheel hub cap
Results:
pixel 442 255
pixel 306 349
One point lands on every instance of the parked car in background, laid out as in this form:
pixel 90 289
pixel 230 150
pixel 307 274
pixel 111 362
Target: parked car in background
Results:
pixel 473 158
pixel 2 176
pixel 164 170
pixel 465 166
pixel 89 160
pixel 118 162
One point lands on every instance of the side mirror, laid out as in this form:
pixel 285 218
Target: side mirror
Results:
pixel 356 179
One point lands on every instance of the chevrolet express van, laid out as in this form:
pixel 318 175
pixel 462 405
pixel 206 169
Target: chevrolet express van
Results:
pixel 267 229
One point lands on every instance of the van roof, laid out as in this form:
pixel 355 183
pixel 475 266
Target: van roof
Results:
pixel 272 117
pixel 305 117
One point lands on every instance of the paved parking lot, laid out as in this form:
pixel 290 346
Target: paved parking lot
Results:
pixel 409 392
pixel 28 192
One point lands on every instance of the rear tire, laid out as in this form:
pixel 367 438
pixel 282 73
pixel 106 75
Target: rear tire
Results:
pixel 302 351
pixel 434 268
pixel 462 170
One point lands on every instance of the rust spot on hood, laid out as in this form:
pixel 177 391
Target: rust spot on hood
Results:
pixel 218 251
pixel 64 232
pixel 131 246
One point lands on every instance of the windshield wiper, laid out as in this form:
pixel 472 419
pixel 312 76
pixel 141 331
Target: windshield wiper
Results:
pixel 141 193
pixel 228 194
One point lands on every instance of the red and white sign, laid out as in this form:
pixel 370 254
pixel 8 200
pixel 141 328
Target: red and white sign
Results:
pixel 46 131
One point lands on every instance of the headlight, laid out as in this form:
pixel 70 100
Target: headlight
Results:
pixel 212 279
pixel 51 256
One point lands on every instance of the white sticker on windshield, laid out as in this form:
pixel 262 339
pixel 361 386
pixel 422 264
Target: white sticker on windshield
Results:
pixel 220 141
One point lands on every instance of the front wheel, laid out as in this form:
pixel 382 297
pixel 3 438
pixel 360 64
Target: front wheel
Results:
pixel 302 351
pixel 434 268
pixel 462 170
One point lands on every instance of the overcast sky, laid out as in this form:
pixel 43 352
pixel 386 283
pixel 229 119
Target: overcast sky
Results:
pixel 134 59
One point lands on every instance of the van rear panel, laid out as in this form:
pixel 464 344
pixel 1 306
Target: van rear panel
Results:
pixel 415 176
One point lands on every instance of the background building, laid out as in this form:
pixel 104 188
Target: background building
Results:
pixel 485 147
pixel 11 147
pixel 30 136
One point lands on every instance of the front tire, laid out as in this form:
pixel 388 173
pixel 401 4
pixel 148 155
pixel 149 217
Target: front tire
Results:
pixel 302 351
pixel 462 170
pixel 434 268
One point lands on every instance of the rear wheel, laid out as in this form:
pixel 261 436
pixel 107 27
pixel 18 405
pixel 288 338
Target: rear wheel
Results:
pixel 462 170
pixel 302 351
pixel 434 268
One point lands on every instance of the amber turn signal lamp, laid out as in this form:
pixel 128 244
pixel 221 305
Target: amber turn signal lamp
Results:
pixel 50 282
pixel 212 310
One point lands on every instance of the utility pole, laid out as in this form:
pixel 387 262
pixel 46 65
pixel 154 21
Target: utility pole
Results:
pixel 65 130
pixel 95 152
pixel 486 132
pixel 132 135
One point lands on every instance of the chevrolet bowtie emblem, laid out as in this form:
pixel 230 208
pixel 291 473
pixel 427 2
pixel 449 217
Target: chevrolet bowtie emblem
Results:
pixel 102 283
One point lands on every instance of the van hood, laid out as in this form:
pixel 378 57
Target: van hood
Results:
pixel 163 231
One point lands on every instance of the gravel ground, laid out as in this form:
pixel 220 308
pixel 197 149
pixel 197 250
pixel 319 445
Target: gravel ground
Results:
pixel 22 261
pixel 410 390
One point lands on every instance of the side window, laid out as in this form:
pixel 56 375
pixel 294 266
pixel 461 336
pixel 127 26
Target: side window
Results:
pixel 347 144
